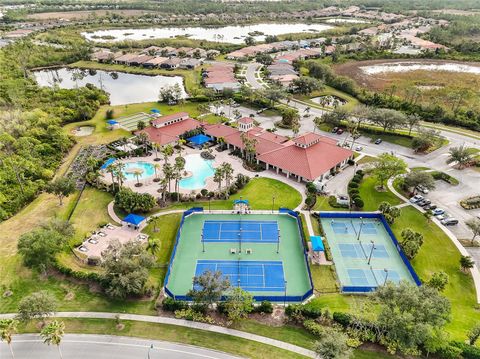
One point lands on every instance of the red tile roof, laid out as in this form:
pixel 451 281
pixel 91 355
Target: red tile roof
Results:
pixel 246 120
pixel 170 133
pixel 166 118
pixel 219 130
pixel 309 163
pixel 307 138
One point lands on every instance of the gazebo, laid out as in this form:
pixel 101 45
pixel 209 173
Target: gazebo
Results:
pixel 134 220
pixel 112 124
pixel 318 249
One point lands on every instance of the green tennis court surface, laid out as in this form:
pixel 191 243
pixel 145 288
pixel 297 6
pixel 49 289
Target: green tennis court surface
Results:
pixel 364 254
pixel 250 260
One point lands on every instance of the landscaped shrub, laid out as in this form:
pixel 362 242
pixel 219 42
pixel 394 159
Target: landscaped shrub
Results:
pixel 449 352
pixel 109 114
pixel 313 327
pixel 468 351
pixel 310 200
pixel 344 319
pixel 355 180
pixel 352 185
pixel 332 201
pixel 298 311
pixel 359 173
pixel 204 192
pixel 352 192
pixel 471 203
pixel 444 177
pixel 191 314
pixel 172 305
pixel 358 202
pixel 264 307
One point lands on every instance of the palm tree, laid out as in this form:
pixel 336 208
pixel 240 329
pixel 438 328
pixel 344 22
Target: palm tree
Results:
pixel 153 246
pixel 317 122
pixel 156 167
pixel 466 263
pixel 218 177
pixel 111 169
pixel 180 144
pixel 137 172
pixel 143 139
pixel 461 155
pixel 227 175
pixel 53 333
pixel 179 169
pixel 168 173
pixel 156 147
pixel 7 328
pixel 118 171
pixel 167 151
pixel 163 186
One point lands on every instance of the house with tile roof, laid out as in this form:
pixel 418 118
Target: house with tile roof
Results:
pixel 307 157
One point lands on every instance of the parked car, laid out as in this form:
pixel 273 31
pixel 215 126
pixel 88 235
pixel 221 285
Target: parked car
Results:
pixel 339 131
pixel 422 189
pixel 378 141
pixel 416 198
pixel 442 217
pixel 235 104
pixel 334 130
pixel 438 211
pixel 424 202
pixel 449 221
pixel 358 148
pixel 430 207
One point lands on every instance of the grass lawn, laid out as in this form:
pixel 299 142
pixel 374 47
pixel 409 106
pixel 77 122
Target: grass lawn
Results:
pixel 167 227
pixel 191 77
pixel 365 159
pixel 372 198
pixel 259 191
pixel 390 138
pixel 324 279
pixel 351 101
pixel 323 205
pixel 420 168
pixel 221 342
pixel 212 118
pixel 438 253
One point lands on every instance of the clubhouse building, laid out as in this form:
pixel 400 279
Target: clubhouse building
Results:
pixel 307 157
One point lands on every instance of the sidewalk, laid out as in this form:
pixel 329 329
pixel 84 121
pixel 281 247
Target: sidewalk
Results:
pixel 183 323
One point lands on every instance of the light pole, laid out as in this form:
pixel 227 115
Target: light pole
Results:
pixel 203 244
pixel 371 252
pixel 209 209
pixel 278 242
pixel 360 231
pixel 285 296
pixel 150 348
pixel 386 276
pixel 273 203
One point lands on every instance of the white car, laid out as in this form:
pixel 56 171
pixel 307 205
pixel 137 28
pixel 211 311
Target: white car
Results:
pixel 422 189
pixel 358 148
pixel 442 217
pixel 438 211
pixel 450 221
pixel 416 198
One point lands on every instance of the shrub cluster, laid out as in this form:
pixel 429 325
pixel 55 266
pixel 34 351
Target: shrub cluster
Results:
pixel 353 191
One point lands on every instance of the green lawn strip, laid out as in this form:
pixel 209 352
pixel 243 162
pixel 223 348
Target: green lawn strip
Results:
pixel 323 205
pixel 438 253
pixel 191 77
pixel 324 279
pixel 328 91
pixel 458 130
pixel 315 225
pixel 420 168
pixel 173 333
pixel 365 159
pixel 259 192
pixel 212 118
pixel 372 198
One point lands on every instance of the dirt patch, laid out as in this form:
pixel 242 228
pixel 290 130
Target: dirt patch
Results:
pixel 74 15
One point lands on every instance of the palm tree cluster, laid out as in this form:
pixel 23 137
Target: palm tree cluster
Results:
pixel 116 171
pixel 224 172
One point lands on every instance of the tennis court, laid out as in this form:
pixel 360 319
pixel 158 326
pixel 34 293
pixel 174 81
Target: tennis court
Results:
pixel 249 275
pixel 365 251
pixel 245 231
pixel 269 268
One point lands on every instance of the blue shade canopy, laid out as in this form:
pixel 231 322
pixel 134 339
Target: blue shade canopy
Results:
pixel 199 139
pixel 134 219
pixel 154 110
pixel 240 201
pixel 108 163
pixel 317 243
pixel 112 122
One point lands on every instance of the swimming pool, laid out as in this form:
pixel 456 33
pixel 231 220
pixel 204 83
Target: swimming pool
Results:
pixel 200 169
pixel 147 170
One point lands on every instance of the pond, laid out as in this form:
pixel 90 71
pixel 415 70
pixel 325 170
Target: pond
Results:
pixel 415 66
pixel 233 34
pixel 123 88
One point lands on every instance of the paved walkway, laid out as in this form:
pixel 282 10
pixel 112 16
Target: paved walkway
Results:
pixel 112 214
pixel 183 323
pixel 475 272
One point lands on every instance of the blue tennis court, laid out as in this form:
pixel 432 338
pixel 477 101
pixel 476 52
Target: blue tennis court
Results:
pixel 245 231
pixel 253 275
pixel 345 227
pixel 371 277
pixel 362 250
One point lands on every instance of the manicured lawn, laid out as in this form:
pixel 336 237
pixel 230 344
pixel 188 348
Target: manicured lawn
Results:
pixel 259 192
pixel 212 118
pixel 420 168
pixel 324 279
pixel 365 159
pixel 351 101
pixel 323 205
pixel 172 333
pixel 372 198
pixel 390 138
pixel 438 253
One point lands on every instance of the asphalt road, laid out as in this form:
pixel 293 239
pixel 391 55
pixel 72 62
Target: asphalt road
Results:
pixel 85 346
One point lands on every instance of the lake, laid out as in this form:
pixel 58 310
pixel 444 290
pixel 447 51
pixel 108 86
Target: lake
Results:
pixel 232 34
pixel 123 88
